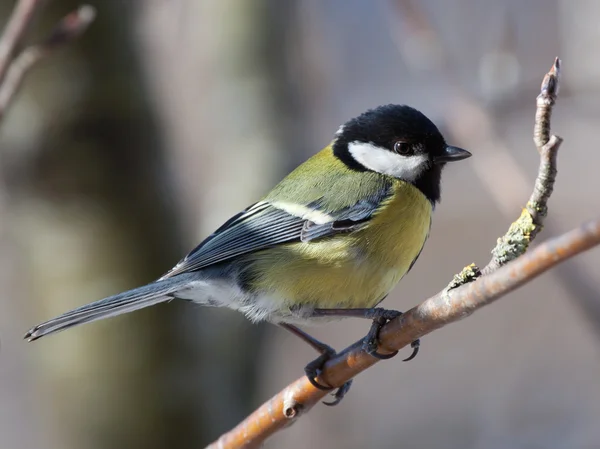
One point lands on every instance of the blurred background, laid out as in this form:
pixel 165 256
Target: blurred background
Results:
pixel 125 149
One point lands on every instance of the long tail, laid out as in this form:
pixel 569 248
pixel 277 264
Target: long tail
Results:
pixel 138 298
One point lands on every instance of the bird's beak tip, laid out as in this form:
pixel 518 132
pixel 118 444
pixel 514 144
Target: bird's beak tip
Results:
pixel 452 154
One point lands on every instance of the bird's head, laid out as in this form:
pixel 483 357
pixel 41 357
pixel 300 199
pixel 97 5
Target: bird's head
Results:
pixel 397 141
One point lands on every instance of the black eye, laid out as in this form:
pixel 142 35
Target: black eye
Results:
pixel 402 148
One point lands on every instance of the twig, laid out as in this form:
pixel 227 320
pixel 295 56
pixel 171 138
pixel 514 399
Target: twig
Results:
pixel 16 27
pixel 67 30
pixel 520 234
pixel 469 291
pixel 545 102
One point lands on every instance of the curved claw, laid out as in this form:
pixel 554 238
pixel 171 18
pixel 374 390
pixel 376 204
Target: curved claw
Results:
pixel 383 356
pixel 316 384
pixel 339 394
pixel 312 370
pixel 415 345
pixel 371 341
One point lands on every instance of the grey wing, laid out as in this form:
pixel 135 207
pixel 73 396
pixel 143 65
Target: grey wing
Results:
pixel 346 220
pixel 263 226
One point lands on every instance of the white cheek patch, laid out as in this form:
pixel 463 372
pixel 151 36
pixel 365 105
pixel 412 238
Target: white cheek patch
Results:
pixel 380 160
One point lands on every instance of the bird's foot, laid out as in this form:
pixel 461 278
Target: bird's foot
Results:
pixel 380 317
pixel 314 368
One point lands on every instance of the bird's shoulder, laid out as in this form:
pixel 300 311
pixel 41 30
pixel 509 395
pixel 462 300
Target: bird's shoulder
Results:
pixel 325 179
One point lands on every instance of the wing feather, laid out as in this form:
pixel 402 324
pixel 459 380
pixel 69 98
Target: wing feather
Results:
pixel 264 225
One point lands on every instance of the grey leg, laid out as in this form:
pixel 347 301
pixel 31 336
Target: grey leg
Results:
pixel 313 368
pixel 379 316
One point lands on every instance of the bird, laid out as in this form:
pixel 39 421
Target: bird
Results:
pixel 329 241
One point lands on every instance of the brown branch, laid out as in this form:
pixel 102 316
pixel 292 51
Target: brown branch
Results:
pixel 13 71
pixel 469 291
pixel 436 312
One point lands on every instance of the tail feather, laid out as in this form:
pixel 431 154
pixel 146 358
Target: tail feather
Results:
pixel 138 298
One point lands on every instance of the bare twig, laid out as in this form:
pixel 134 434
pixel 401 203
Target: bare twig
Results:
pixel 67 30
pixel 13 69
pixel 16 28
pixel 545 102
pixel 516 241
pixel 469 291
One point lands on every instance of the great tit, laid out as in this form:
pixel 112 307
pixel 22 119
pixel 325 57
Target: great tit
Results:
pixel 330 240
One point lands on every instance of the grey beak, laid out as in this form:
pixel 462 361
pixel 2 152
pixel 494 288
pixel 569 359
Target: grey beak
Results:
pixel 452 154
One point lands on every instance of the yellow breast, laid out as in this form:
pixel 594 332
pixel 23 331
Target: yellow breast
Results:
pixel 351 269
